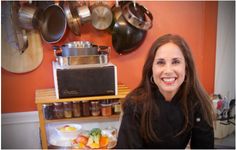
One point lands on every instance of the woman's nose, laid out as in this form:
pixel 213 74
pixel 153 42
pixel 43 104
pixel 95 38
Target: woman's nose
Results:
pixel 168 68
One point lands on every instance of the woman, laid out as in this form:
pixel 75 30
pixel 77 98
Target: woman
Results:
pixel 169 108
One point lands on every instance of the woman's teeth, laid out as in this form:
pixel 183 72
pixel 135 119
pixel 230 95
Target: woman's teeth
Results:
pixel 168 79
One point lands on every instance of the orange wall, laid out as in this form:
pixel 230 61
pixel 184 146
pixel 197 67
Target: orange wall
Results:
pixel 195 21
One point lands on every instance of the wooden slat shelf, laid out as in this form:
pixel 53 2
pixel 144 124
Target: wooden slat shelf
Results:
pixel 43 96
pixel 49 96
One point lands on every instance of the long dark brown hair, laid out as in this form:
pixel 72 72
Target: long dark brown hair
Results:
pixel 191 87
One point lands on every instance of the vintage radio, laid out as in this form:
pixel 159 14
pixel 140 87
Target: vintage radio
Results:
pixel 84 80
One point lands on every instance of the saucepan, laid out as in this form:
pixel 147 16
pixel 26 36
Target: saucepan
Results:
pixel 52 23
pixel 28 16
pixel 73 19
pixel 81 52
pixel 77 14
pixel 17 36
pixel 83 12
pixel 129 13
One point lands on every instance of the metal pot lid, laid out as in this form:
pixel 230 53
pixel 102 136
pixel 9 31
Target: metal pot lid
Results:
pixel 101 16
pixel 79 44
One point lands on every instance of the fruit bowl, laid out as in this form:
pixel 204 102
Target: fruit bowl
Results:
pixel 69 131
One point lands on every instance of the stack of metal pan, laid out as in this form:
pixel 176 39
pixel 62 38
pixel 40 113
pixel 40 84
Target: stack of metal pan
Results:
pixel 80 53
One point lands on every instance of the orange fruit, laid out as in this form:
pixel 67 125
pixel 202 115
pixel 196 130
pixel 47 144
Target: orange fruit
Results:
pixel 103 141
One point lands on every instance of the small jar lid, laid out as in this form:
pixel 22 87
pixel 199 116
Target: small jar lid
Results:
pixel 94 102
pixel 48 104
pixel 57 103
pixel 105 105
pixel 85 101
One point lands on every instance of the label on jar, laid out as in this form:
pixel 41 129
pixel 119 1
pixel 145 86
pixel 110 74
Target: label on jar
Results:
pixel 68 113
pixel 76 109
pixel 85 107
pixel 106 110
pixel 58 111
pixel 117 108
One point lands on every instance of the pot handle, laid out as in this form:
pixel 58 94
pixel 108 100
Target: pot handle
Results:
pixel 57 50
pixel 105 50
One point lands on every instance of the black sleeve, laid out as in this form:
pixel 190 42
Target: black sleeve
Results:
pixel 129 133
pixel 202 132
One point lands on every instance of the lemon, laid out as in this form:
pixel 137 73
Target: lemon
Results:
pixel 94 145
pixel 70 128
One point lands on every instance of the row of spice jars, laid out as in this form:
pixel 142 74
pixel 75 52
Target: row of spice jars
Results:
pixel 61 110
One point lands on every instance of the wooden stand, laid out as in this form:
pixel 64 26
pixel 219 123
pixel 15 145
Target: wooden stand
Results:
pixel 45 96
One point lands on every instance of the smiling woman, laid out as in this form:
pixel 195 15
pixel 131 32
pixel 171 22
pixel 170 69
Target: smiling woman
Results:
pixel 169 107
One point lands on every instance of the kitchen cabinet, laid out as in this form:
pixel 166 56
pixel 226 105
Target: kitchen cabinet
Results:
pixel 47 96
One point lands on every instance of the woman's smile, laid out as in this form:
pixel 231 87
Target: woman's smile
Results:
pixel 168 80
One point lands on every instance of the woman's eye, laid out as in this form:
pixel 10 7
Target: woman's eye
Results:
pixel 175 62
pixel 160 62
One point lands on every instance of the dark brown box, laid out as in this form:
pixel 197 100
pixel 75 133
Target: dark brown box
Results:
pixel 92 80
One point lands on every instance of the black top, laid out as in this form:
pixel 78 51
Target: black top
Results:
pixel 167 125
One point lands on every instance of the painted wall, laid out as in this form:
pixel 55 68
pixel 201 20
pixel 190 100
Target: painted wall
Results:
pixel 225 51
pixel 195 21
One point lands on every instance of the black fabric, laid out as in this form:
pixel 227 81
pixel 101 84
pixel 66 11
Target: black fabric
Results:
pixel 166 125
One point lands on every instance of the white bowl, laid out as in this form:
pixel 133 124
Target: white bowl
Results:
pixel 70 131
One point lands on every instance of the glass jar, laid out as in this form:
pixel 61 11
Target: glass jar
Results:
pixel 58 111
pixel 76 109
pixel 85 108
pixel 106 108
pixel 116 107
pixel 48 111
pixel 95 108
pixel 67 109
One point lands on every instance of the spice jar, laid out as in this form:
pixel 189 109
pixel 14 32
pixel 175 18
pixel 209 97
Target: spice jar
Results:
pixel 48 111
pixel 85 107
pixel 58 111
pixel 106 108
pixel 116 107
pixel 76 109
pixel 67 109
pixel 95 108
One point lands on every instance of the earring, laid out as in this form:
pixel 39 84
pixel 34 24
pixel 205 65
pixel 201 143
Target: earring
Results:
pixel 151 79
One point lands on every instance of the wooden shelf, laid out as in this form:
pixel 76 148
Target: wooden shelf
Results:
pixel 49 96
pixel 43 96
pixel 86 119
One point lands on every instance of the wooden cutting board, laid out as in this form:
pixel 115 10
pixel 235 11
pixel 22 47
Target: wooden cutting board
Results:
pixel 15 62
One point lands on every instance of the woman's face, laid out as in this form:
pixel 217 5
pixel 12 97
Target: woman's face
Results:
pixel 168 69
